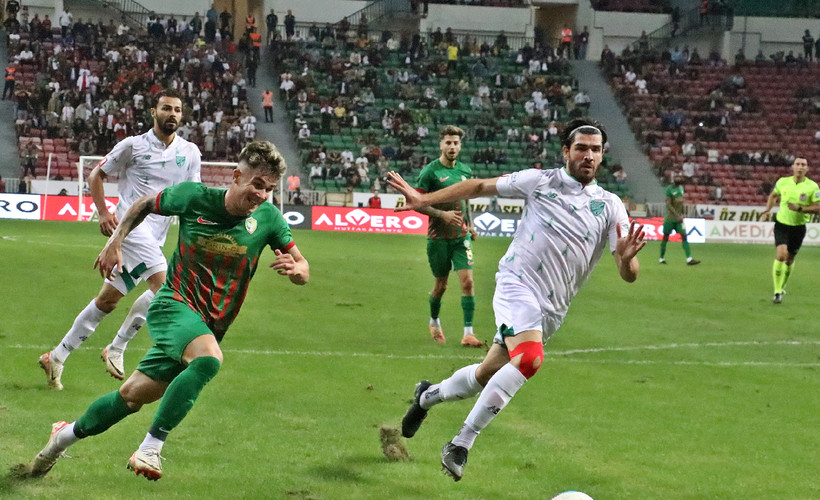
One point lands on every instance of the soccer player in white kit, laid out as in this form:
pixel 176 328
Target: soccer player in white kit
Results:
pixel 145 164
pixel 564 229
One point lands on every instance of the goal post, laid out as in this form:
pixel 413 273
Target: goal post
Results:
pixel 214 174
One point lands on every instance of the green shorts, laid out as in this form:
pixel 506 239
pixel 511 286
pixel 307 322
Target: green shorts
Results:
pixel 669 225
pixel 444 255
pixel 172 325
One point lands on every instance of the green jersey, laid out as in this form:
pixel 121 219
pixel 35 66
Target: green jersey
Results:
pixel 803 193
pixel 217 252
pixel 674 200
pixel 436 176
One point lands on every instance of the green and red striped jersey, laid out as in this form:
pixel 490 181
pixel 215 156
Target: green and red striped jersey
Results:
pixel 217 252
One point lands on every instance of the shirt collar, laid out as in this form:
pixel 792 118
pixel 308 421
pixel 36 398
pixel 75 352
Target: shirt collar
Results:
pixel 590 189
pixel 152 137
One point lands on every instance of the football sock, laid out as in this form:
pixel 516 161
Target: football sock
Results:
pixel 181 394
pixel 777 275
pixel 134 321
pixel 465 437
pixel 461 385
pixel 84 325
pixel 435 307
pixel 65 437
pixel 686 249
pixel 102 414
pixel 663 247
pixel 151 443
pixel 786 273
pixel 468 308
pixel 495 396
pixel 468 330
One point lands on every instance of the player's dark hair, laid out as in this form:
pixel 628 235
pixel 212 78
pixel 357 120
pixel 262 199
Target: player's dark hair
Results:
pixel 586 126
pixel 451 130
pixel 166 93
pixel 263 155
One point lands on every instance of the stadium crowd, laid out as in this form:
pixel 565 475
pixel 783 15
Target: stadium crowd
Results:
pixel 728 127
pixel 363 103
pixel 89 85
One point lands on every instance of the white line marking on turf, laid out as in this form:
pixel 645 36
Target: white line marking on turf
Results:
pixel 550 355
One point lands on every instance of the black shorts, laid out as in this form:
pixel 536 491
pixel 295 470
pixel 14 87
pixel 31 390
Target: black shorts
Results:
pixel 791 236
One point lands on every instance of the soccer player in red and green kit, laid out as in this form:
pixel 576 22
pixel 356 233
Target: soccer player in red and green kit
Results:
pixel 222 233
pixel 449 234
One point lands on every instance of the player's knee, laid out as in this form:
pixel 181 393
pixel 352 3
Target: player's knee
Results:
pixel 106 303
pixel 206 366
pixel 531 356
pixel 467 286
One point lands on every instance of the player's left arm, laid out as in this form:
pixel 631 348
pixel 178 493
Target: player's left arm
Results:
pixel 813 208
pixel 110 258
pixel 626 250
pixel 292 264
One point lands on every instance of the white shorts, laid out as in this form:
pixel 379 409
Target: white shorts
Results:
pixel 517 310
pixel 141 258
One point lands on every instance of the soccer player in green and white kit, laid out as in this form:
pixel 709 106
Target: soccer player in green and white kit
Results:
pixel 448 243
pixel 221 235
pixel 674 219
pixel 798 196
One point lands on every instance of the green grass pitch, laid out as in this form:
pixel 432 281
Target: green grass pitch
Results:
pixel 688 384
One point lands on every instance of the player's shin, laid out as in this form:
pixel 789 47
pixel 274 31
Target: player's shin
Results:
pixel 460 385
pixel 181 394
pixel 84 325
pixel 102 414
pixel 495 396
pixel 133 321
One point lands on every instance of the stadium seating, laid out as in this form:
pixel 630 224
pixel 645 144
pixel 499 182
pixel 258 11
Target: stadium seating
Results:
pixel 767 114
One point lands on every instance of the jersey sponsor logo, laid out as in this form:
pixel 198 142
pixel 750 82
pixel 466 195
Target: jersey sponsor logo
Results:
pixel 180 161
pixel 146 157
pixel 597 207
pixel 223 244
pixel 250 225
pixel 203 220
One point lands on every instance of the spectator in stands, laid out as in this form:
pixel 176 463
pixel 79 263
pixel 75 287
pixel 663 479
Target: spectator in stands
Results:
pixel 30 154
pixel 582 100
pixel 808 45
pixel 689 168
pixel 2 185
pixel 290 25
pixel 375 201
pixel 12 8
pixel 640 85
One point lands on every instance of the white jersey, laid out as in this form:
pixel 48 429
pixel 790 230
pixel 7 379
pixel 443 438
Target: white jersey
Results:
pixel 561 236
pixel 146 166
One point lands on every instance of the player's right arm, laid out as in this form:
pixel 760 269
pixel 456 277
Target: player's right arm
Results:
pixel 96 180
pixel 110 258
pixel 464 190
pixel 114 161
pixel 774 199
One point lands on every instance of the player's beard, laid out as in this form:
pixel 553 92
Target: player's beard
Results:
pixel 169 126
pixel 579 170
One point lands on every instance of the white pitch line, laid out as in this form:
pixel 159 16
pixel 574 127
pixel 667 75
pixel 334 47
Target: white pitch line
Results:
pixel 550 355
